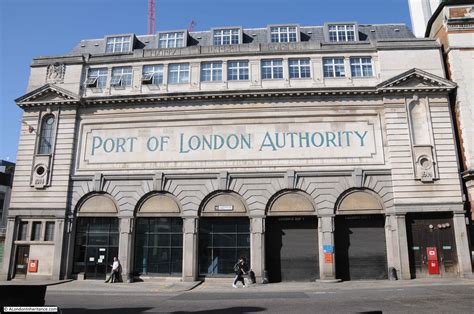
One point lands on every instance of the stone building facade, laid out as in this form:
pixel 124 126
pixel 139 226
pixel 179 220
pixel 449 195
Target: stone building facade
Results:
pixel 452 24
pixel 321 152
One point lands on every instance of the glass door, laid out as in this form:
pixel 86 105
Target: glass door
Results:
pixel 96 246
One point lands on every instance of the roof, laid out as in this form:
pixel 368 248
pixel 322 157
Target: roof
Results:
pixel 439 9
pixel 367 32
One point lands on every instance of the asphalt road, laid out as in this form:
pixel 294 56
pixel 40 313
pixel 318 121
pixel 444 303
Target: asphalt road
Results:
pixel 452 298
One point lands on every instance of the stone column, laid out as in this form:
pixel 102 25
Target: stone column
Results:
pixel 58 248
pixel 190 249
pixel 68 256
pixel 125 247
pixel 462 245
pixel 327 270
pixel 399 244
pixel 257 246
pixel 8 250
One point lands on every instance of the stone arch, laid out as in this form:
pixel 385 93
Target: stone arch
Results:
pixel 293 202
pixel 223 203
pixel 359 200
pixel 158 204
pixel 97 204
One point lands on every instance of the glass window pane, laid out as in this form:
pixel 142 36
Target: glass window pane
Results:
pixel 23 231
pixel 36 231
pixel 49 232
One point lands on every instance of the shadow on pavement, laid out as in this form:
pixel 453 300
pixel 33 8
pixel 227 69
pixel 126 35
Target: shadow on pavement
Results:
pixel 128 310
pixel 132 310
pixel 227 310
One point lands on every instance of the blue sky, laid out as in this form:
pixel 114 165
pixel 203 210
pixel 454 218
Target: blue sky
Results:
pixel 32 28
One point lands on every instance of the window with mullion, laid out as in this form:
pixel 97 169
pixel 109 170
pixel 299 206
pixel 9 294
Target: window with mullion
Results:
pixel 100 74
pixel 46 135
pixel 211 71
pixel 272 69
pixel 122 76
pixel 283 34
pixel 361 67
pixel 156 73
pixel 299 68
pixel 226 37
pixel 118 44
pixel 333 67
pixel 341 33
pixel 178 73
pixel 237 70
pixel 171 40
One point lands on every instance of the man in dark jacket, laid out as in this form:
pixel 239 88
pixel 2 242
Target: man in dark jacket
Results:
pixel 240 269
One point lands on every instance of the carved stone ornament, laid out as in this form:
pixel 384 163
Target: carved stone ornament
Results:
pixel 55 73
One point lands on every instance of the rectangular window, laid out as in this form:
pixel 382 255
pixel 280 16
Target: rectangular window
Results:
pixel 361 66
pixel 237 70
pixel 272 69
pixel 341 33
pixel 97 78
pixel 23 231
pixel 283 34
pixel 49 232
pixel 159 245
pixel 153 74
pixel 333 67
pixel 171 40
pixel 178 73
pixel 36 231
pixel 211 71
pixel 118 44
pixel 221 242
pixel 121 77
pixel 226 37
pixel 299 68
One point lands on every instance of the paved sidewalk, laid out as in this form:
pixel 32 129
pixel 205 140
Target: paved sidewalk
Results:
pixel 223 285
pixel 99 286
pixel 220 285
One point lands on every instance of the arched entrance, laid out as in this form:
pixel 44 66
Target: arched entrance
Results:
pixel 291 238
pixel 224 234
pixel 97 236
pixel 360 237
pixel 158 249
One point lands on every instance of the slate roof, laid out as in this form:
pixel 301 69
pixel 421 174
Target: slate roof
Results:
pixel 367 32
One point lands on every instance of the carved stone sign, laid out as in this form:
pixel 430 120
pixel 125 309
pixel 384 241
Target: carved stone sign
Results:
pixel 237 145
pixel 55 73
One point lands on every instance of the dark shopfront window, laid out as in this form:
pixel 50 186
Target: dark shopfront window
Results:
pixel 159 246
pixel 221 242
pixel 96 245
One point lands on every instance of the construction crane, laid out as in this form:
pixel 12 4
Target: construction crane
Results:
pixel 191 26
pixel 151 17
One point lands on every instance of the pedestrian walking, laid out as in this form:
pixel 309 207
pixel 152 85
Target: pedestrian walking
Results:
pixel 240 270
pixel 115 274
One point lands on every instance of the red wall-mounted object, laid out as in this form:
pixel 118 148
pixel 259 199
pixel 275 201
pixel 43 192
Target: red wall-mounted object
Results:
pixel 433 264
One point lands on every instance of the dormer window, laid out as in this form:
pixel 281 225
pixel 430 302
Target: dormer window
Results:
pixel 118 44
pixel 341 32
pixel 226 37
pixel 121 77
pixel 283 34
pixel 171 40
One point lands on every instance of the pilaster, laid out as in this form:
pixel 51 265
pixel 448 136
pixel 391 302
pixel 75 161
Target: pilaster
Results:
pixel 125 247
pixel 462 245
pixel 327 266
pixel 190 248
pixel 257 246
